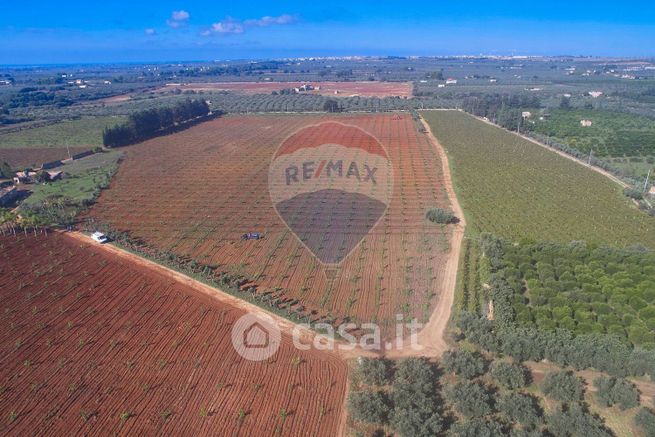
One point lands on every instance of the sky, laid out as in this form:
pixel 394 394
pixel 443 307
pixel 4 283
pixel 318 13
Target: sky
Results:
pixel 72 31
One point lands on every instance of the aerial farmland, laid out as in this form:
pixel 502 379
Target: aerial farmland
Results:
pixel 185 194
pixel 95 344
pixel 339 246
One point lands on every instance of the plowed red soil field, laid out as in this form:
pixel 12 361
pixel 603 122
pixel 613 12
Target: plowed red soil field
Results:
pixel 196 192
pixel 92 345
pixel 338 89
pixel 34 157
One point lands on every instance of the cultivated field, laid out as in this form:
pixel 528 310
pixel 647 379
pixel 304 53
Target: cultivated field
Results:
pixel 339 89
pixel 83 132
pixel 35 156
pixel 195 193
pixel 516 189
pixel 91 344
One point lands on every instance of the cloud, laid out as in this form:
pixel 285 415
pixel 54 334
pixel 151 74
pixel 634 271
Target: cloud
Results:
pixel 150 31
pixel 229 25
pixel 178 19
pixel 269 21
pixel 232 26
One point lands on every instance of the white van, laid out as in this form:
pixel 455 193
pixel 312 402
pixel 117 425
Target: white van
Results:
pixel 99 237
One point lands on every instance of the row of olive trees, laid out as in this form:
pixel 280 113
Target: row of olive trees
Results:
pixel 411 408
pixel 488 410
pixel 144 124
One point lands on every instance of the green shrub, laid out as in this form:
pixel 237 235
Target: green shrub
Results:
pixel 520 408
pixel 471 399
pixel 369 407
pixel 463 363
pixel 374 371
pixel 509 375
pixel 477 428
pixel 574 420
pixel 563 386
pixel 645 419
pixel 616 391
pixel 441 216
pixel 416 405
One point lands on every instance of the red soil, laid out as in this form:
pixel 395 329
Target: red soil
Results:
pixel 85 334
pixel 337 89
pixel 34 157
pixel 196 192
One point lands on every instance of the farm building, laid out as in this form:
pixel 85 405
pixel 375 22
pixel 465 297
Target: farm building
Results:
pixel 451 81
pixel 526 114
pixel 7 195
pixel 585 123
pixel 595 94
pixel 54 175
pixel 303 88
pixel 24 177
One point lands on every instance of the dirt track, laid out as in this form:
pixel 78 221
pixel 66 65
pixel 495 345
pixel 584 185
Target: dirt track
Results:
pixel 432 336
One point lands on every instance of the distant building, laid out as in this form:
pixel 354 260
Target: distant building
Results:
pixel 595 94
pixel 585 123
pixel 304 88
pixel 24 177
pixel 451 81
pixel 441 85
pixel 652 191
pixel 526 114
pixel 54 175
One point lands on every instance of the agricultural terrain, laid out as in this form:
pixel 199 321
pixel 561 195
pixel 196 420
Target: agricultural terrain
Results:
pixel 93 344
pixel 611 134
pixel 82 182
pixel 83 132
pixel 515 189
pixel 345 89
pixel 35 156
pixel 193 194
pixel 584 289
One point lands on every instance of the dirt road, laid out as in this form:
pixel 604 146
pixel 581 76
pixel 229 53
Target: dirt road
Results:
pixel 432 337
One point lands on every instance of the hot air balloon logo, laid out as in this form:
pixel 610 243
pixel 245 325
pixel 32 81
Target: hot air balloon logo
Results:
pixel 331 183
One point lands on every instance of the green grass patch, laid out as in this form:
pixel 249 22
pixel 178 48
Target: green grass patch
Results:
pixel 81 184
pixel 86 131
pixel 513 188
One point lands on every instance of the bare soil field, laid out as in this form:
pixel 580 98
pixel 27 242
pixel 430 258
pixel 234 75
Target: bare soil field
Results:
pixel 196 192
pixel 336 89
pixel 93 344
pixel 34 157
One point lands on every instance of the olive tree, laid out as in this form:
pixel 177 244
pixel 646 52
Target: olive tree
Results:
pixel 616 391
pixel 369 407
pixel 563 386
pixel 509 375
pixel 463 363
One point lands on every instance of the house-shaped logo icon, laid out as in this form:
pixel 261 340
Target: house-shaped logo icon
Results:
pixel 256 336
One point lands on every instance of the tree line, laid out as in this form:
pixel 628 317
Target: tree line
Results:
pixel 142 125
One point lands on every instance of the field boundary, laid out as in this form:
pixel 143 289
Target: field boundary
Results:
pixel 433 335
